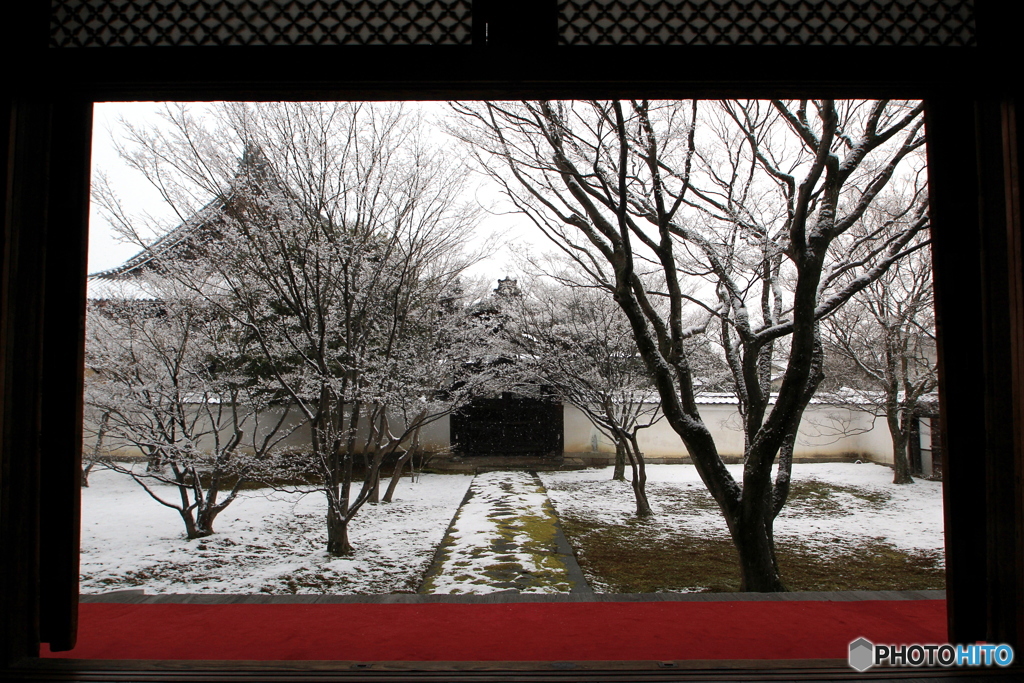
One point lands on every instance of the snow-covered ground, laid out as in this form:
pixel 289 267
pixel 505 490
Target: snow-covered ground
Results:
pixel 265 542
pixel 274 542
pixel 502 539
pixel 861 504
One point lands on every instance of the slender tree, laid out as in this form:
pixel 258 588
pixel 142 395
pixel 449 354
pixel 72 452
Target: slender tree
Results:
pixel 94 433
pixel 578 342
pixel 165 382
pixel 886 336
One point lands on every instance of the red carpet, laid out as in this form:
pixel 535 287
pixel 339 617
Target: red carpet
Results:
pixel 502 632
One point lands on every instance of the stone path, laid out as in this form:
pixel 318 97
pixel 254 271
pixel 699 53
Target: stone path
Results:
pixel 504 538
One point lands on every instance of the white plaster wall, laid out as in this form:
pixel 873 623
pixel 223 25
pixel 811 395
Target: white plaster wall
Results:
pixel 927 459
pixel 844 430
pixel 824 432
pixel 580 435
pixel 434 436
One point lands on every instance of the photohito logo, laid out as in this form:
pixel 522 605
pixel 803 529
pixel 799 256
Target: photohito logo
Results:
pixel 864 654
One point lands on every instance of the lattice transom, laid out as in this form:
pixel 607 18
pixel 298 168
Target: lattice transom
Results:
pixel 108 23
pixel 766 22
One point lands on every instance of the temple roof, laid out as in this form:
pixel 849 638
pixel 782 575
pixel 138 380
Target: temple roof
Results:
pixel 167 244
pixel 253 166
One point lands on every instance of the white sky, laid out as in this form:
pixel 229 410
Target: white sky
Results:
pixel 107 250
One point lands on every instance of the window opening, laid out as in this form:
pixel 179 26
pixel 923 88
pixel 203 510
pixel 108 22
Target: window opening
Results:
pixel 320 308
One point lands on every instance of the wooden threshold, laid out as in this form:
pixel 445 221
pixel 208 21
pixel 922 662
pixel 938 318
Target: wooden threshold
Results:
pixel 482 672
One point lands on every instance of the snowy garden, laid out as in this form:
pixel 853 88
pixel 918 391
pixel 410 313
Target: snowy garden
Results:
pixel 311 320
pixel 274 543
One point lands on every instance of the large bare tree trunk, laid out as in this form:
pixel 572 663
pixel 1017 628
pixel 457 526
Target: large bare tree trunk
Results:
pixel 194 528
pixel 397 474
pixel 338 471
pixel 375 489
pixel 97 449
pixel 752 536
pixel 373 456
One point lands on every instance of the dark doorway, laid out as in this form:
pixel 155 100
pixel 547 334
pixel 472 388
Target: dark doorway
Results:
pixel 511 425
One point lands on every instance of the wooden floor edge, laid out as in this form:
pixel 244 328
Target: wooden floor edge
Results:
pixel 479 672
pixel 482 665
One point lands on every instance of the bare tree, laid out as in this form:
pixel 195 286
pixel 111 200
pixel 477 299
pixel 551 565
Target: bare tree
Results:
pixel 333 246
pixel 886 335
pixel 751 198
pixel 578 342
pixel 94 433
pixel 167 383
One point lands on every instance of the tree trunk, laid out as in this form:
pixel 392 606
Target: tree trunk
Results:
pixel 898 428
pixel 752 535
pixel 900 461
pixel 375 489
pixel 396 475
pixel 636 462
pixel 372 458
pixel 192 531
pixel 783 477
pixel 337 534
pixel 87 466
pixel 204 521
pixel 400 465
pixel 643 506
pixel 619 473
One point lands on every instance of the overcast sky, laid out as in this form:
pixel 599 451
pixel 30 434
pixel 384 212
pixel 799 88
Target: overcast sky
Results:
pixel 107 250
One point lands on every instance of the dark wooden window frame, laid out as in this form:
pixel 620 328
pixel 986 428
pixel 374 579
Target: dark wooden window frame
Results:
pixel 974 154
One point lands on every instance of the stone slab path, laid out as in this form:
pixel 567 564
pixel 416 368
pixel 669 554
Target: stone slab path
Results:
pixel 505 537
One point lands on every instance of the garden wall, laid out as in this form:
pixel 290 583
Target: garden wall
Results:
pixel 827 433
pixel 433 436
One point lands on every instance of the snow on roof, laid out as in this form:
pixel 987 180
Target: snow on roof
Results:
pixel 253 159
pixel 845 396
pixel 866 396
pixel 165 244
pixel 99 289
pixel 717 398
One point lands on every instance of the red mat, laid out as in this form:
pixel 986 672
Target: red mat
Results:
pixel 502 632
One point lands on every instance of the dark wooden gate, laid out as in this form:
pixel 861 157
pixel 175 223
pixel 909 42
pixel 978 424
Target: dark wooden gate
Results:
pixel 508 426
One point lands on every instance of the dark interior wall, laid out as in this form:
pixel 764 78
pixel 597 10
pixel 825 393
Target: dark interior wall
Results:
pixel 42 352
pixel 973 156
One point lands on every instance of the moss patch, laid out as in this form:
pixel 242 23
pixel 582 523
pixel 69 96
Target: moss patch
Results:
pixel 650 556
pixel 639 558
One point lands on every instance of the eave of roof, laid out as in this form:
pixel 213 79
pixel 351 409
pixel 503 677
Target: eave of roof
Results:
pixel 165 243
